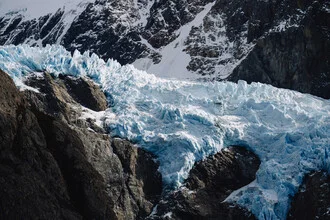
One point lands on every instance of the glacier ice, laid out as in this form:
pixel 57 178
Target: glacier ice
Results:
pixel 184 121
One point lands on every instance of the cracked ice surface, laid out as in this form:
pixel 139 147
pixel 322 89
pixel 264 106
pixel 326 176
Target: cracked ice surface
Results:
pixel 184 121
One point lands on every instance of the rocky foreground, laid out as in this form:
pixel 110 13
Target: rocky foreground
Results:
pixel 57 164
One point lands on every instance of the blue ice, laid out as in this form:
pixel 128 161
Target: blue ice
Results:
pixel 184 121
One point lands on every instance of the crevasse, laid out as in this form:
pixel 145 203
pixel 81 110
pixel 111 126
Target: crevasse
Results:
pixel 184 121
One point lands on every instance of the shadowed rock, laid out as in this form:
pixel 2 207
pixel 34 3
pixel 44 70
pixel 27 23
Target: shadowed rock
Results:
pixel 56 165
pixel 296 58
pixel 85 92
pixel 209 183
pixel 313 198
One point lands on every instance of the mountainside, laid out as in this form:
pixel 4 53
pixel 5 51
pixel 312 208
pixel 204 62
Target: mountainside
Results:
pixel 280 42
pixel 183 122
pixel 203 125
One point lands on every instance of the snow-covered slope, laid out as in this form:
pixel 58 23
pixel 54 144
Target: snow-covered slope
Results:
pixel 33 9
pixel 183 121
pixel 154 36
pixel 175 59
pixel 37 22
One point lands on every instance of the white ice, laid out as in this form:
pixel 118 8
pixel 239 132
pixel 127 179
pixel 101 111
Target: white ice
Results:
pixel 184 121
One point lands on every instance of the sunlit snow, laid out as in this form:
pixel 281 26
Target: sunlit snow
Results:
pixel 37 8
pixel 174 58
pixel 184 121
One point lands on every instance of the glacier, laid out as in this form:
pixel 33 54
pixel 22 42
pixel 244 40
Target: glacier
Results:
pixel 184 121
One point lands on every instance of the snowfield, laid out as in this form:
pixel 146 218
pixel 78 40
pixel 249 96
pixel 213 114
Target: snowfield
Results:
pixel 31 9
pixel 184 121
pixel 174 58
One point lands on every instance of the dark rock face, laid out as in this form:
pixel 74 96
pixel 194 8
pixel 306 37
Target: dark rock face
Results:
pixel 297 58
pixel 313 199
pixel 142 178
pixel 25 162
pixel 209 183
pixel 55 165
pixel 120 38
pixel 86 93
pixel 86 187
pixel 109 36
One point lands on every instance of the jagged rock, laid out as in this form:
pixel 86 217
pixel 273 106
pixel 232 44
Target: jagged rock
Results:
pixel 209 183
pixel 85 92
pixel 313 198
pixel 56 165
pixel 297 58
pixel 142 178
pixel 32 185
pixel 86 187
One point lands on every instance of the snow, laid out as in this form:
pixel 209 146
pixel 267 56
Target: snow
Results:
pixel 69 17
pixel 144 11
pixel 184 121
pixel 36 8
pixel 174 59
pixel 208 29
pixel 293 21
pixel 168 215
pixel 283 26
pixel 97 117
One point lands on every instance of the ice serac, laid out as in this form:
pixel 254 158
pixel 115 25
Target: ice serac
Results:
pixel 184 121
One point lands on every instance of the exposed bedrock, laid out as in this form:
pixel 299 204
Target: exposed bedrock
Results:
pixel 56 165
pixel 297 57
pixel 313 198
pixel 209 183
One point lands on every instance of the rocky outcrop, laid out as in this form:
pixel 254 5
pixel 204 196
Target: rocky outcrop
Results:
pixel 56 164
pixel 85 92
pixel 141 177
pixel 313 198
pixel 295 58
pixel 209 183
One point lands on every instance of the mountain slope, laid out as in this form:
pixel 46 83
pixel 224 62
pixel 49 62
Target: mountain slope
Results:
pixel 281 42
pixel 182 122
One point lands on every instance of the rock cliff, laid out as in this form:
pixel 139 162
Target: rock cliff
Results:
pixel 56 164
pixel 209 183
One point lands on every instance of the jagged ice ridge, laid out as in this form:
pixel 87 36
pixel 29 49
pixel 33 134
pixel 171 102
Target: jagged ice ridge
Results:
pixel 184 121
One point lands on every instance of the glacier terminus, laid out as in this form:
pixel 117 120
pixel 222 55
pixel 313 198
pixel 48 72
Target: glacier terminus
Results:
pixel 184 121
